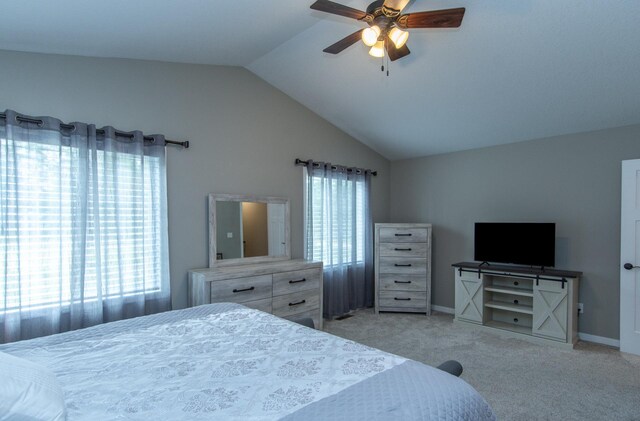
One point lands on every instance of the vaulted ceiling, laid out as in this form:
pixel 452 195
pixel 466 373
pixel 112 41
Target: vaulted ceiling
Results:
pixel 515 70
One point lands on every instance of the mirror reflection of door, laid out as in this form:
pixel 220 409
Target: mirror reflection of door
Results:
pixel 275 218
pixel 255 234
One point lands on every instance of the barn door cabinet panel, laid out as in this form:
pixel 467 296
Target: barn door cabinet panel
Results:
pixel 550 310
pixel 469 302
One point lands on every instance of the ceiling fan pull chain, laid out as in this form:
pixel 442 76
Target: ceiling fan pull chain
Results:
pixel 388 65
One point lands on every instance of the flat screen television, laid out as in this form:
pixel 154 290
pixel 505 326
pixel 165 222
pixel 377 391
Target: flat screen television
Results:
pixel 532 244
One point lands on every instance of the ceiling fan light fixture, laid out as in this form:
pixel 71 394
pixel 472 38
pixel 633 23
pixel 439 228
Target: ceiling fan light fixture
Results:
pixel 370 35
pixel 377 50
pixel 386 35
pixel 399 37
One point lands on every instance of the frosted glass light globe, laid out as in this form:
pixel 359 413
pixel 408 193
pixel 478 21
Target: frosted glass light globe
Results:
pixel 370 35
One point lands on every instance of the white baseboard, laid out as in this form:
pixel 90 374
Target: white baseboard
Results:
pixel 443 309
pixel 599 339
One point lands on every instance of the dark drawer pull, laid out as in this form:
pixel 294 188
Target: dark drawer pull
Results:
pixel 403 235
pixel 515 301
pixel 515 320
pixel 402 282
pixel 399 249
pixel 244 289
pixel 298 281
pixel 298 303
pixel 401 299
pixel 402 266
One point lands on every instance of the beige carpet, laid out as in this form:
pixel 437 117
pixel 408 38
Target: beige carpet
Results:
pixel 521 380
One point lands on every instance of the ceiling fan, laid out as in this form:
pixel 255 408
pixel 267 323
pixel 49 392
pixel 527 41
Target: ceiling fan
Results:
pixel 387 24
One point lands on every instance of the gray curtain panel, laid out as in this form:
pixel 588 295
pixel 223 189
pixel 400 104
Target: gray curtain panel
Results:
pixel 84 226
pixel 339 232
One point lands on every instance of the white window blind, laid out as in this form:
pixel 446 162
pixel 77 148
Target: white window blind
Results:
pixel 338 220
pixel 51 251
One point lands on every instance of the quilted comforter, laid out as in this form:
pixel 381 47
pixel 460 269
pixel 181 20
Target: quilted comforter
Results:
pixel 225 361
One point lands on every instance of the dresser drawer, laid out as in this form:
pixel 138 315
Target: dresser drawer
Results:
pixel 262 305
pixel 403 265
pixel 395 282
pixel 299 280
pixel 298 302
pixel 312 314
pixel 403 235
pixel 403 250
pixel 403 299
pixel 241 290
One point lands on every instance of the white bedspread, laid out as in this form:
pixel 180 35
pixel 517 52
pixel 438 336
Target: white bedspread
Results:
pixel 238 364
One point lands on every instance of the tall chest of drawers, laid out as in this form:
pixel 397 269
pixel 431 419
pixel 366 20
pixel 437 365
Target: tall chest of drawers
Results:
pixel 403 268
pixel 290 289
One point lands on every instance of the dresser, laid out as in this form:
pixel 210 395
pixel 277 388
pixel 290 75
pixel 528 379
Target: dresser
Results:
pixel 290 289
pixel 403 268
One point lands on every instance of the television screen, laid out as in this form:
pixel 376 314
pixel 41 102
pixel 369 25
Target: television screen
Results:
pixel 518 243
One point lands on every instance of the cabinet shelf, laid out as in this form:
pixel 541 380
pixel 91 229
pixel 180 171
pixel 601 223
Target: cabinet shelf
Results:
pixel 512 291
pixel 509 307
pixel 509 326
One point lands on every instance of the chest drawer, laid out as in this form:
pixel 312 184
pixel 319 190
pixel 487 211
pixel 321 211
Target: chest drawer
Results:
pixel 298 302
pixel 403 299
pixel 403 235
pixel 241 290
pixel 403 265
pixel 299 280
pixel 395 282
pixel 403 250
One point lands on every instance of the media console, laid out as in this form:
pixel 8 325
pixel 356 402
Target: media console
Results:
pixel 527 302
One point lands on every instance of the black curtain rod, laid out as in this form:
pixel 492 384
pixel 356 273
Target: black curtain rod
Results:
pixel 300 162
pixel 39 122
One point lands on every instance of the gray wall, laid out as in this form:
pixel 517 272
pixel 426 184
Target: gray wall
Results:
pixel 245 134
pixel 571 180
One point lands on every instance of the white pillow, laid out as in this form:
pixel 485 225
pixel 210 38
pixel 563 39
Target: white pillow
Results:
pixel 29 391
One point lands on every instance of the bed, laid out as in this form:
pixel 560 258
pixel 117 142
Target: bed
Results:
pixel 226 361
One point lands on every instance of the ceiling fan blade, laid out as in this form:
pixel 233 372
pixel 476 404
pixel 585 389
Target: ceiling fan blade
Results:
pixel 396 53
pixel 394 7
pixel 345 42
pixel 338 9
pixel 448 18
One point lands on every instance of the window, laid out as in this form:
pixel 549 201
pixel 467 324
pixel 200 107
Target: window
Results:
pixel 70 224
pixel 338 232
pixel 338 215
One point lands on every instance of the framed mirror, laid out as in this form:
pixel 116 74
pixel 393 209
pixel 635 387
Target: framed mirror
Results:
pixel 248 229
